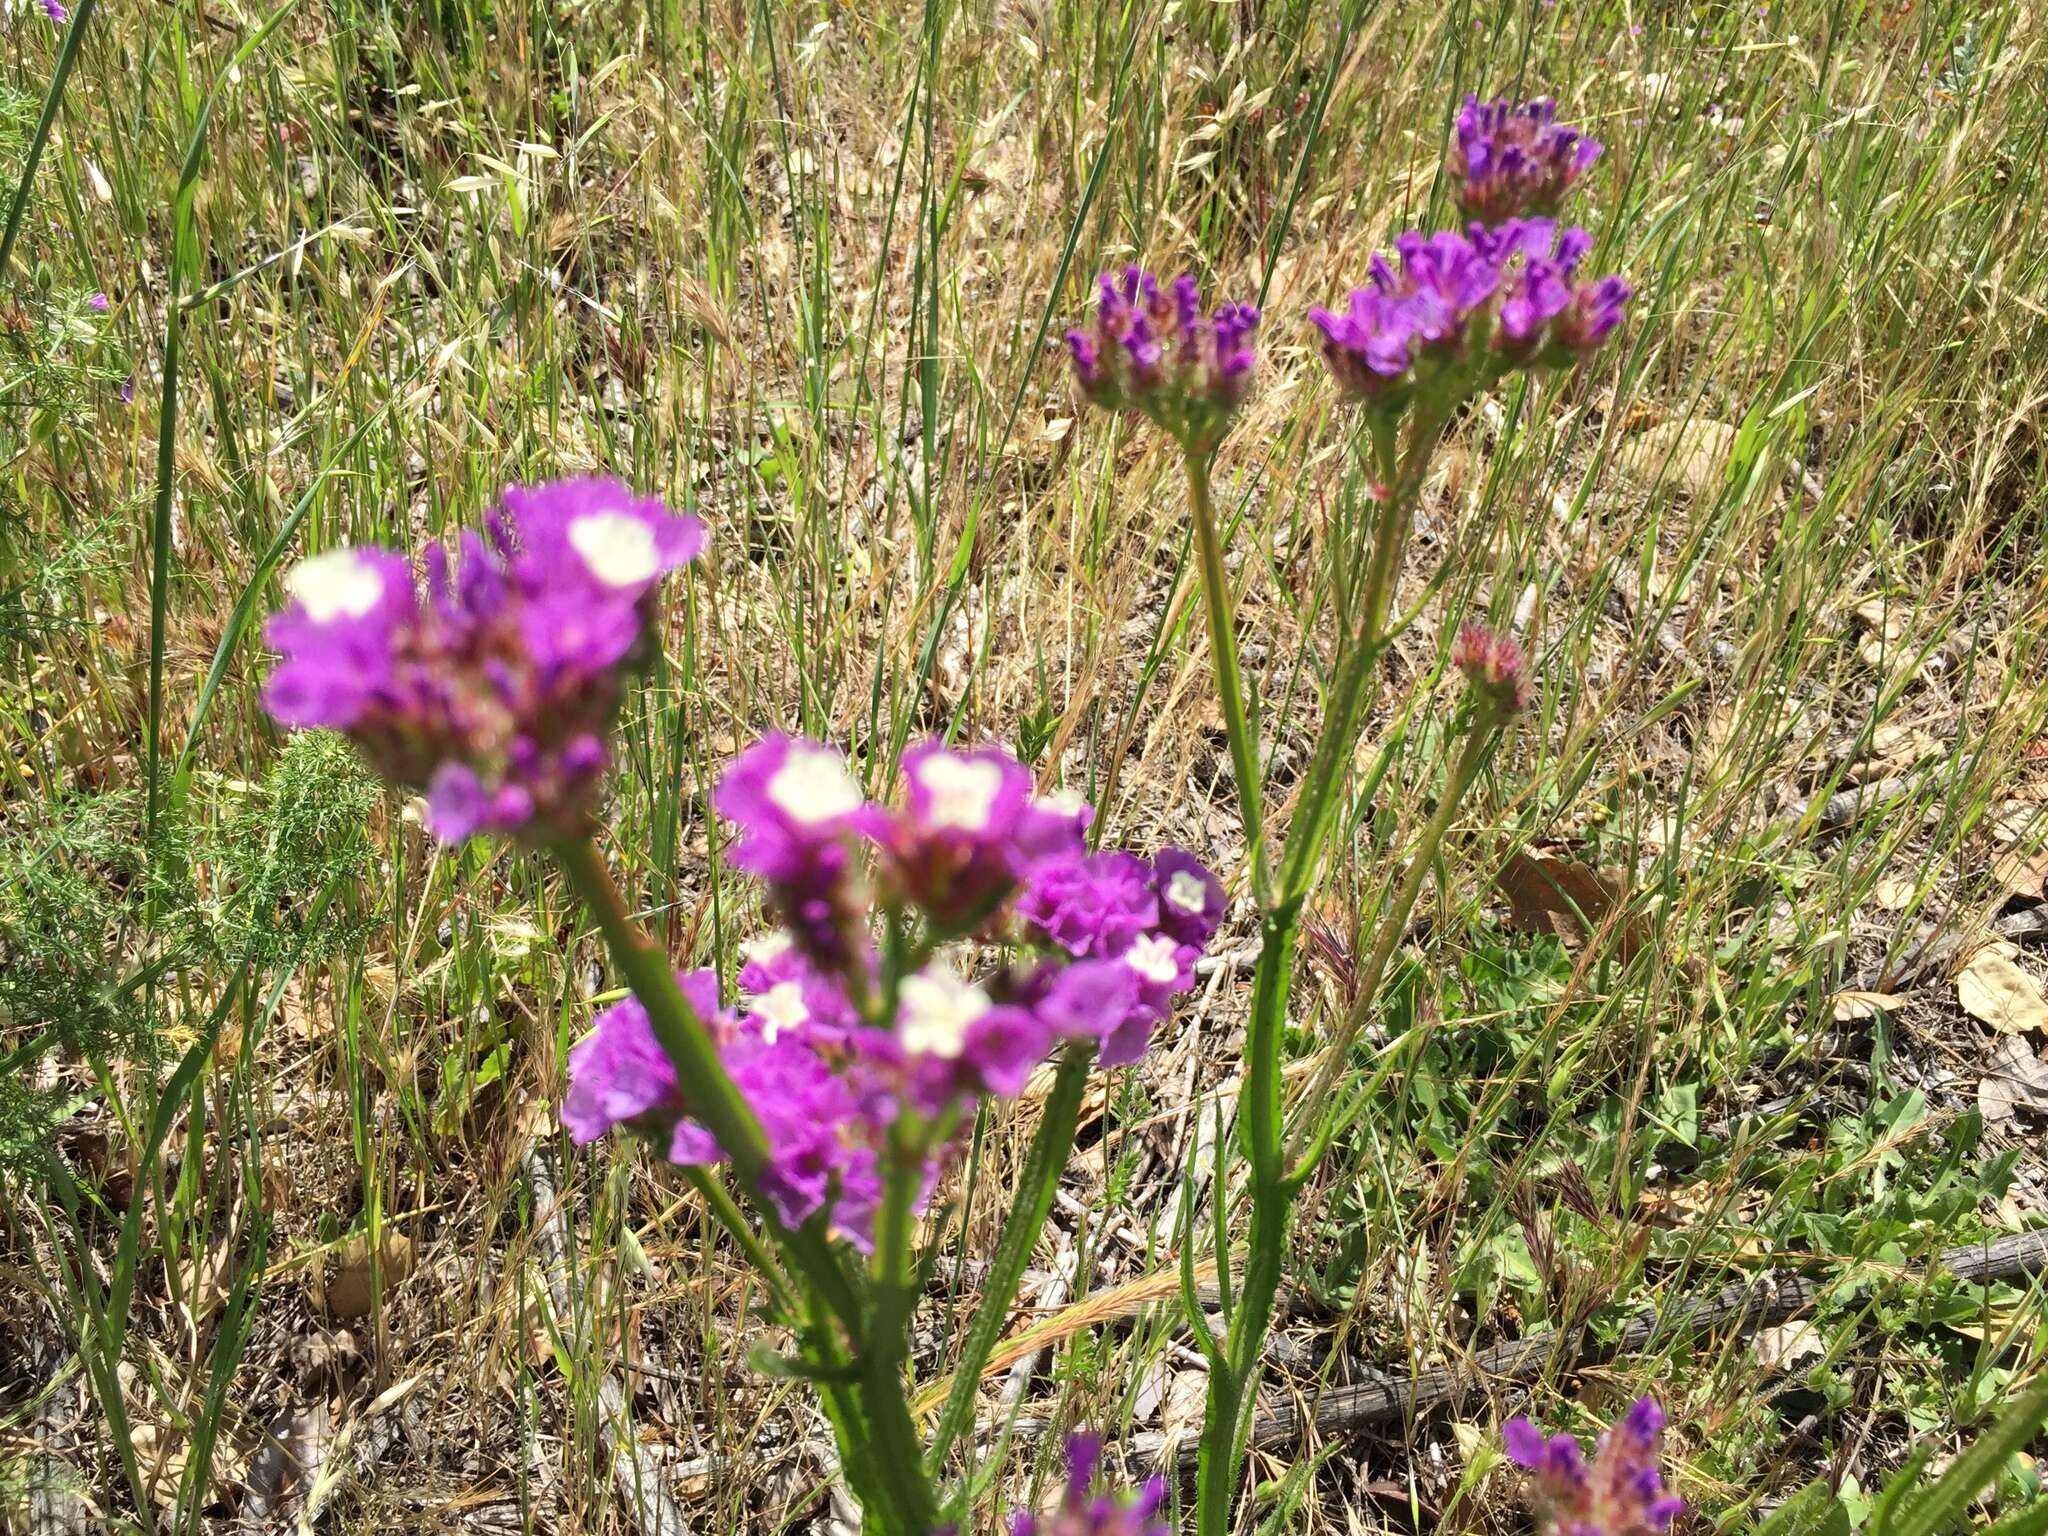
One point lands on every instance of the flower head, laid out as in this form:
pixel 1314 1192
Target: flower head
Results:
pixel 98 303
pixel 968 829
pixel 620 1076
pixel 1516 159
pixel 1413 320
pixel 1495 669
pixel 1621 1493
pixel 1087 1510
pixel 1191 899
pixel 1091 904
pixel 1153 350
pixel 797 808
pixel 1547 310
pixel 494 691
pixel 54 9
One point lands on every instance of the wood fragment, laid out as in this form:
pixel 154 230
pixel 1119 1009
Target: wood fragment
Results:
pixel 1771 1298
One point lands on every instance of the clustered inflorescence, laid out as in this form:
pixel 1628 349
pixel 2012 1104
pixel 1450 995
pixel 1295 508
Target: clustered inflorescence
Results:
pixel 494 691
pixel 1153 350
pixel 1619 1493
pixel 932 950
pixel 1452 309
pixel 1096 945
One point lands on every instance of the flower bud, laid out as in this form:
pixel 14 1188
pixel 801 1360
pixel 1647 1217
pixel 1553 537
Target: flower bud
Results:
pixel 1495 668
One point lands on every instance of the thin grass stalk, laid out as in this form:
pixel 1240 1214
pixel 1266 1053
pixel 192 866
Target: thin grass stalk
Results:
pixel 53 98
pixel 1029 1208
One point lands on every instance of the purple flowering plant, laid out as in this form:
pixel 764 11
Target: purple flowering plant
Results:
pixel 926 954
pixel 1449 314
pixel 931 950
pixel 1619 1492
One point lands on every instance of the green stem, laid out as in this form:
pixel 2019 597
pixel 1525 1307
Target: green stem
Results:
pixel 1479 741
pixel 712 1096
pixel 1233 1382
pixel 1344 707
pixel 898 1462
pixel 1234 1377
pixel 1244 752
pixel 1030 1206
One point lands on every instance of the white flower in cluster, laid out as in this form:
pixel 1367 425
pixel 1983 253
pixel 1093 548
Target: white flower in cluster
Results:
pixel 963 790
pixel 1152 957
pixel 1185 892
pixel 781 1007
pixel 938 1005
pixel 618 548
pixel 813 786
pixel 338 584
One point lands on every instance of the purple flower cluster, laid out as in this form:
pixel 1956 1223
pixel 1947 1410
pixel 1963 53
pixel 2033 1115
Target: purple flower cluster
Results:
pixel 818 1148
pixel 1505 291
pixel 827 1053
pixel 1134 929
pixel 492 692
pixel 1151 349
pixel 1515 159
pixel 1085 1510
pixel 1422 313
pixel 1621 1493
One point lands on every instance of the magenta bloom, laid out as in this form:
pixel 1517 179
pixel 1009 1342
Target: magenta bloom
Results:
pixel 1154 351
pixel 968 829
pixel 620 1076
pixel 54 9
pixel 791 995
pixel 1595 309
pixel 1516 159
pixel 1135 929
pixel 1419 316
pixel 1091 904
pixel 1191 898
pixel 821 1144
pixel 1086 1510
pixel 1099 1000
pixel 797 808
pixel 1495 668
pixel 1621 1493
pixel 1546 301
pixel 957 1042
pixel 495 690
pixel 98 304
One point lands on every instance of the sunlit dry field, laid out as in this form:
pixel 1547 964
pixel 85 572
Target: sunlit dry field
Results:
pixel 1730 971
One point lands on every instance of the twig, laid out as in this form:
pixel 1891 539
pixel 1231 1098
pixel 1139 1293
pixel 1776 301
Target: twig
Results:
pixel 1769 1299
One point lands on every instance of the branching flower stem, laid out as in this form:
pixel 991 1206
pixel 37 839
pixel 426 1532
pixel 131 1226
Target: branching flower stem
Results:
pixel 878 1410
pixel 1235 1362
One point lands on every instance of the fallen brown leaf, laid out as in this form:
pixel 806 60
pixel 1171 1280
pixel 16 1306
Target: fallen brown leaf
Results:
pixel 2017 1079
pixel 1547 893
pixel 1994 990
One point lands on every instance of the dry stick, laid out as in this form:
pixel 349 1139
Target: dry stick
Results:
pixel 1769 1299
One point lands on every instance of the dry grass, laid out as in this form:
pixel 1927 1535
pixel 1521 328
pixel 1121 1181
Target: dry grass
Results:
pixel 798 269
